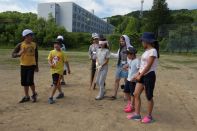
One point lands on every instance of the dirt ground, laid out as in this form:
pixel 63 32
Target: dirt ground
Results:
pixel 175 99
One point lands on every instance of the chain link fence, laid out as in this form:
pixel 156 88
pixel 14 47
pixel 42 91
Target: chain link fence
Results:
pixel 179 37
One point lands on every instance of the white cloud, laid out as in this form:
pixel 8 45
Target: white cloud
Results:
pixel 102 7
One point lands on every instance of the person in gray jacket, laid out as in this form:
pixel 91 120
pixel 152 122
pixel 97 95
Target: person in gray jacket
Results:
pixel 92 56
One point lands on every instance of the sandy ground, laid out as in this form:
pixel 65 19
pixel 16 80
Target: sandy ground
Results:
pixel 175 99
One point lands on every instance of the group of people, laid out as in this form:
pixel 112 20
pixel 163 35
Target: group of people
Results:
pixel 138 74
pixel 58 61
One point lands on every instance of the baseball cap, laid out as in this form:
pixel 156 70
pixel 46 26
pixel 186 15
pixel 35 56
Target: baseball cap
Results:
pixel 95 35
pixel 60 37
pixel 27 32
pixel 131 50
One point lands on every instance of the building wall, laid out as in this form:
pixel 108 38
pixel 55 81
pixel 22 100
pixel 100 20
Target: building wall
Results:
pixel 45 9
pixel 75 18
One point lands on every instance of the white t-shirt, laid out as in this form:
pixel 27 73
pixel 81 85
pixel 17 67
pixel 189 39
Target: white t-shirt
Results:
pixel 134 66
pixel 144 60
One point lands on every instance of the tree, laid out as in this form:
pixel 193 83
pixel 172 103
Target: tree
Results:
pixel 132 26
pixel 158 15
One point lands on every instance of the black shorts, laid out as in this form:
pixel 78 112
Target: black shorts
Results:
pixel 129 87
pixel 56 79
pixel 27 75
pixel 149 83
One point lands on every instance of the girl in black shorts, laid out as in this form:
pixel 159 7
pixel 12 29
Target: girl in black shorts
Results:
pixel 146 77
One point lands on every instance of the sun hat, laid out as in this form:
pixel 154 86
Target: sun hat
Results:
pixel 130 50
pixel 95 35
pixel 27 32
pixel 60 37
pixel 148 37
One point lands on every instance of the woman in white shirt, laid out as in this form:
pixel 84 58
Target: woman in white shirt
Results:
pixel 146 76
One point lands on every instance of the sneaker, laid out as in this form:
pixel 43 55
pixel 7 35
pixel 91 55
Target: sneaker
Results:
pixel 129 109
pixel 98 98
pixel 127 106
pixel 63 83
pixel 24 99
pixel 51 101
pixel 147 119
pixel 134 116
pixel 60 96
pixel 34 97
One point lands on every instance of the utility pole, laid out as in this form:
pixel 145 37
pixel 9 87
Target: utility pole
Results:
pixel 141 11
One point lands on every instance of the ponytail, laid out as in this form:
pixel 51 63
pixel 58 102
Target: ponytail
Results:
pixel 156 46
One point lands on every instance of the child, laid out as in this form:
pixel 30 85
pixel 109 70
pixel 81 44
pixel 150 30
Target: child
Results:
pixel 56 60
pixel 102 59
pixel 122 61
pixel 133 66
pixel 92 55
pixel 146 76
pixel 63 48
pixel 29 64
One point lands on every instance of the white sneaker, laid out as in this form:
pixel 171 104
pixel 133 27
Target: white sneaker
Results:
pixel 99 97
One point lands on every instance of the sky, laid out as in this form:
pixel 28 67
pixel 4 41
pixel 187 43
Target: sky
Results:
pixel 102 8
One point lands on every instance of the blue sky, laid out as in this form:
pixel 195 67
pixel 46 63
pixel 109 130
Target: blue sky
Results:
pixel 102 8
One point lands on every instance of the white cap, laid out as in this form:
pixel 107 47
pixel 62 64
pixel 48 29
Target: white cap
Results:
pixel 60 37
pixel 27 32
pixel 95 35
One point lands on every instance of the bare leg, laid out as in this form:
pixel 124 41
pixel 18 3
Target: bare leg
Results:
pixel 53 91
pixel 138 91
pixel 26 90
pixel 33 88
pixel 128 96
pixel 150 107
pixel 117 83
pixel 59 89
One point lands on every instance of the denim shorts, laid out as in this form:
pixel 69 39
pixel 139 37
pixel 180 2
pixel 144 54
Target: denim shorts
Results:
pixel 120 72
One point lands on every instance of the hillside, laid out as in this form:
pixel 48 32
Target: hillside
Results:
pixel 178 17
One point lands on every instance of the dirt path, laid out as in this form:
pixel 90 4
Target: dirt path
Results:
pixel 175 103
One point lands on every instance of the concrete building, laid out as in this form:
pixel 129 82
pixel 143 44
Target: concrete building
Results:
pixel 74 18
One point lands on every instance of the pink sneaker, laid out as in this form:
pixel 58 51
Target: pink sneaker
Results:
pixel 129 109
pixel 147 119
pixel 127 106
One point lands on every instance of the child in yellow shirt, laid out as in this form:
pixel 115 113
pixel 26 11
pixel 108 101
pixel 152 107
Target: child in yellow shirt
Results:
pixel 28 54
pixel 56 60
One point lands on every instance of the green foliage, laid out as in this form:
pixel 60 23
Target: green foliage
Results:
pixel 158 15
pixel 13 23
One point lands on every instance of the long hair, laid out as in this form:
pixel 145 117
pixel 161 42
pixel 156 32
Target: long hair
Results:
pixel 156 46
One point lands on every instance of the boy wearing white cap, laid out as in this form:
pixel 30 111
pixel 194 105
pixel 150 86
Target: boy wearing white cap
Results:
pixel 60 39
pixel 29 64
pixel 92 55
